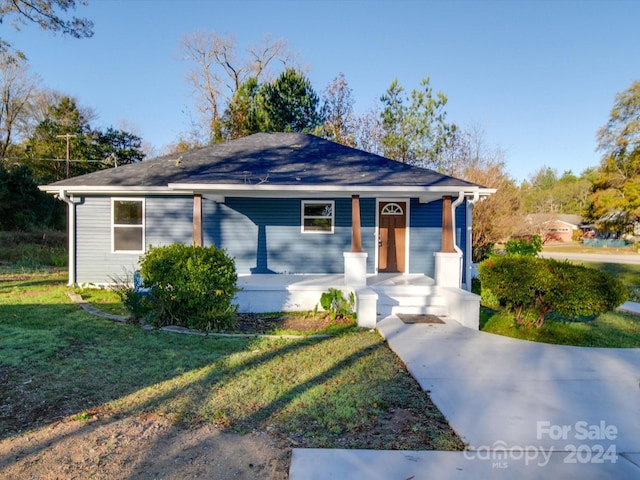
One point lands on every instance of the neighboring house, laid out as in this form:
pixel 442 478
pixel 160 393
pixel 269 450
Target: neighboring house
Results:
pixel 554 227
pixel 279 203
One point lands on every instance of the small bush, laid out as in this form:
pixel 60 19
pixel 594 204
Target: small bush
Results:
pixel 531 286
pixel 524 247
pixel 135 302
pixel 191 286
pixel 338 306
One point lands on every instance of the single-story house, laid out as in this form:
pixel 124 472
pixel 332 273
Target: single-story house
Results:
pixel 298 213
pixel 555 227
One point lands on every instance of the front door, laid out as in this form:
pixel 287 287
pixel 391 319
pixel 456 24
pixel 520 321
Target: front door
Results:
pixel 392 226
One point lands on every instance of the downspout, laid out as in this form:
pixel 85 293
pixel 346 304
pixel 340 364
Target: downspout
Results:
pixel 454 205
pixel 62 195
pixel 469 237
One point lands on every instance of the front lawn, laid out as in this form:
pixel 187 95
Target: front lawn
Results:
pixel 611 329
pixel 347 390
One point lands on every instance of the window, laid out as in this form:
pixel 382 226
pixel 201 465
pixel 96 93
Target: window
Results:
pixel 392 209
pixel 317 217
pixel 127 232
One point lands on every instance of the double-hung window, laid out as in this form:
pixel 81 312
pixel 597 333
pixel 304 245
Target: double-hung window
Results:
pixel 318 216
pixel 127 225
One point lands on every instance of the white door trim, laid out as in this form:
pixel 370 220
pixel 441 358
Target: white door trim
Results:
pixel 406 201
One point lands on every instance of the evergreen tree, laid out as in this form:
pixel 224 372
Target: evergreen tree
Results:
pixel 290 103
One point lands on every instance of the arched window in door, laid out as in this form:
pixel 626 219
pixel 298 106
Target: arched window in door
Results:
pixel 392 209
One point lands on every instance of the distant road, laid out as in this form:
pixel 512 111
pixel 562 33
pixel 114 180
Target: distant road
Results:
pixel 594 257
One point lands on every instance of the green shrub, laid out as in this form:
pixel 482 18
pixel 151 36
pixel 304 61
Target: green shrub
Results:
pixel 535 287
pixel 524 247
pixel 191 286
pixel 334 302
pixel 136 302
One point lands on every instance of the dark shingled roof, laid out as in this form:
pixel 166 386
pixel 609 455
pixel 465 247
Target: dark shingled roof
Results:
pixel 271 158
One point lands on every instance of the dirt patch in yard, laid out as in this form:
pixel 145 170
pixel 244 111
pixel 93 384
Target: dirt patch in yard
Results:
pixel 140 447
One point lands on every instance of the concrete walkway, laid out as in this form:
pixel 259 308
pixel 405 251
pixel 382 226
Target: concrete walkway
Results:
pixel 525 409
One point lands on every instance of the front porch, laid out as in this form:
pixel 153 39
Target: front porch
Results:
pixel 384 294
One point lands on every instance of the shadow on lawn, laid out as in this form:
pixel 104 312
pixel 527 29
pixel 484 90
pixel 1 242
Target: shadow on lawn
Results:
pixel 58 361
pixel 217 373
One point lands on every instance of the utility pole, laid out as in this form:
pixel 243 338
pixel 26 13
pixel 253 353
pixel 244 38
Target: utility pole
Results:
pixel 68 136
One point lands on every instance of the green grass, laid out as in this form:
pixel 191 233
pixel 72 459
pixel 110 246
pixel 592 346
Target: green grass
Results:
pixel 33 249
pixel 342 391
pixel 103 299
pixel 611 329
pixel 578 247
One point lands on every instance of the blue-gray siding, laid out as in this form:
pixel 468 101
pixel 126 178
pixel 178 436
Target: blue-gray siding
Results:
pixel 426 234
pixel 168 220
pixel 263 235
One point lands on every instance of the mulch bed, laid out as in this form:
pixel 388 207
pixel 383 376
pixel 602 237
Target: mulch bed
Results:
pixel 252 323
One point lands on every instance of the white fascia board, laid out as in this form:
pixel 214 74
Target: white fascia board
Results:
pixel 268 190
pixel 108 189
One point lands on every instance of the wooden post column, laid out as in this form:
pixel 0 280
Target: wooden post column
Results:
pixel 197 220
pixel 448 245
pixel 356 230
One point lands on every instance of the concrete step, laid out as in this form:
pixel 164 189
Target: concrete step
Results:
pixel 411 304
pixel 418 300
pixel 407 290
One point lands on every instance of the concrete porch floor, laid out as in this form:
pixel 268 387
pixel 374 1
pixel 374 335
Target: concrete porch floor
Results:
pixel 384 294
pixel 284 281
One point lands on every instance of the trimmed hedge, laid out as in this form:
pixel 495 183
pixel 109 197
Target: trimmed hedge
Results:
pixel 539 286
pixel 190 286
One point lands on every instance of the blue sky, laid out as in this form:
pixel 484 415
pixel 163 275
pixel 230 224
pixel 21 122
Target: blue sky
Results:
pixel 539 77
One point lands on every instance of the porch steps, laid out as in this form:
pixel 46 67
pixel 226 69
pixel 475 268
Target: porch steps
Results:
pixel 410 299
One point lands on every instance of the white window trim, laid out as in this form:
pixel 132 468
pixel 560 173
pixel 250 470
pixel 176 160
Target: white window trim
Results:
pixel 315 202
pixel 113 224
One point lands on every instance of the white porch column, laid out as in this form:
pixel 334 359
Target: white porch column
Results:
pixel 448 268
pixel 355 269
pixel 355 261
pixel 355 272
pixel 448 261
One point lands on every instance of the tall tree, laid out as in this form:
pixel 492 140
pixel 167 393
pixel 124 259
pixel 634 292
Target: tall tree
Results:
pixel 47 14
pixel 618 186
pixel 219 69
pixel 50 139
pixel 496 218
pixel 244 116
pixel 339 122
pixel 368 132
pixel 88 149
pixel 17 88
pixel 118 147
pixel 415 130
pixel 290 103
